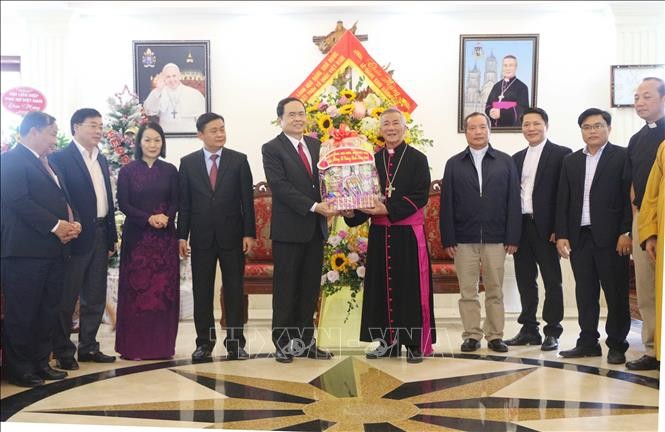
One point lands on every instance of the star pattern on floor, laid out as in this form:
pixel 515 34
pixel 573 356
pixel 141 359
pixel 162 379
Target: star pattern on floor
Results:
pixel 354 395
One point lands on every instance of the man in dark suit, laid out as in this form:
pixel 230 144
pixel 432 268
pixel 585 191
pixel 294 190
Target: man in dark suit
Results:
pixel 217 215
pixel 538 166
pixel 86 174
pixel 298 231
pixel 37 226
pixel 593 221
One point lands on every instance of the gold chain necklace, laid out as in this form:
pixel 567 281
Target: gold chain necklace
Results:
pixel 389 187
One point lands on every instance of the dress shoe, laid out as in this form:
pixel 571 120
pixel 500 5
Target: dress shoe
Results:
pixel 314 352
pixel 26 380
pixel 470 345
pixel 202 353
pixel 384 352
pixel 413 355
pixel 497 345
pixel 237 354
pixel 616 357
pixel 67 363
pixel 644 363
pixel 524 339
pixel 580 351
pixel 48 373
pixel 550 343
pixel 96 356
pixel 283 357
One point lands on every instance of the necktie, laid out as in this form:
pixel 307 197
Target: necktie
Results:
pixel 303 157
pixel 48 169
pixel 213 171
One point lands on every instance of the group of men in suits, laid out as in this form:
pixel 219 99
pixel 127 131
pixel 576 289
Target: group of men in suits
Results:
pixel 578 206
pixel 217 216
pixel 58 228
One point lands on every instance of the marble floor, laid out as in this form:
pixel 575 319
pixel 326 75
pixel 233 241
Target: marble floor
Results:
pixel 525 389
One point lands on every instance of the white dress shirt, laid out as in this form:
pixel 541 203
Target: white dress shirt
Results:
pixel 590 171
pixel 529 169
pixel 97 177
pixel 478 156
pixel 295 142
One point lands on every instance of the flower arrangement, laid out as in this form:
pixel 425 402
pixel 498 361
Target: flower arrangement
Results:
pixel 359 109
pixel 345 255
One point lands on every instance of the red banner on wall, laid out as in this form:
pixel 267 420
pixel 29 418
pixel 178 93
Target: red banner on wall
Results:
pixel 350 52
pixel 21 100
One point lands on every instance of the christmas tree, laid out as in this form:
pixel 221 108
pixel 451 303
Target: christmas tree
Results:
pixel 123 120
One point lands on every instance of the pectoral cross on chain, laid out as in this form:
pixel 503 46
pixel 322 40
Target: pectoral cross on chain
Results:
pixel 174 112
pixel 389 190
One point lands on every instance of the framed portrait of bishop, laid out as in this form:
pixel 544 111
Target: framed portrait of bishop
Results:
pixel 498 77
pixel 172 81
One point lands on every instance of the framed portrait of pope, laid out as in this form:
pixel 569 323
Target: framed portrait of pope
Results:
pixel 497 76
pixel 172 81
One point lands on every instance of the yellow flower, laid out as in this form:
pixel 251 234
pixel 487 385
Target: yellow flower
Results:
pixel 325 137
pixel 312 108
pixel 349 94
pixel 339 261
pixel 346 109
pixel 407 116
pixel 407 137
pixel 376 112
pixel 325 122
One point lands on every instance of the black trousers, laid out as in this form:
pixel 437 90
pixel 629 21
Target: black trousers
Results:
pixel 32 289
pixel 595 267
pixel 296 289
pixel 232 266
pixel 85 279
pixel 535 252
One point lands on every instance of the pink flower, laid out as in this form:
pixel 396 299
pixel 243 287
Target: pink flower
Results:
pixel 313 135
pixel 332 276
pixel 342 234
pixel 361 271
pixel 342 100
pixel 361 245
pixel 332 111
pixel 322 106
pixel 359 110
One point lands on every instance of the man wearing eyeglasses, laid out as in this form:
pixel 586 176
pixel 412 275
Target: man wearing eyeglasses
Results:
pixel 593 222
pixel 86 176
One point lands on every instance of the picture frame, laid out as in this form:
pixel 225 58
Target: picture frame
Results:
pixel 481 88
pixel 172 81
pixel 624 79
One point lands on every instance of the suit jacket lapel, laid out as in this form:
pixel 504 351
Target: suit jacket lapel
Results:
pixel 293 153
pixel 36 162
pixel 203 170
pixel 608 153
pixel 315 157
pixel 107 179
pixel 223 164
pixel 76 154
pixel 547 151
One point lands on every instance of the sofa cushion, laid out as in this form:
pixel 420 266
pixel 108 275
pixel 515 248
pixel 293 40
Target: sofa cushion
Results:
pixel 262 251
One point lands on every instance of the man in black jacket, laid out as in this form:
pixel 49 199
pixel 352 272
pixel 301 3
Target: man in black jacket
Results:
pixel 298 229
pixel 217 216
pixel 37 226
pixel 538 167
pixel 85 173
pixel 593 221
pixel 480 223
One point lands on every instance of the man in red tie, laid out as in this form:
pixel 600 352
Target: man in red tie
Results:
pixel 298 230
pixel 217 216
